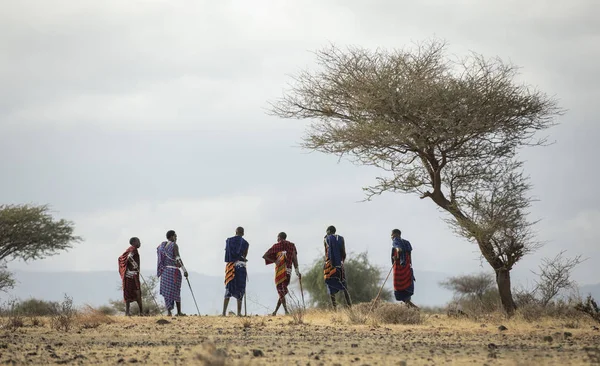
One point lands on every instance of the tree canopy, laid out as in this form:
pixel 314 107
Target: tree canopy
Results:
pixel 30 232
pixel 445 128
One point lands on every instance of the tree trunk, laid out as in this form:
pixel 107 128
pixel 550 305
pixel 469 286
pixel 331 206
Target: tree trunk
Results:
pixel 504 288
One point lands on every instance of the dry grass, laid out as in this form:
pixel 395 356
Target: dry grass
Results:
pixel 90 317
pixel 325 337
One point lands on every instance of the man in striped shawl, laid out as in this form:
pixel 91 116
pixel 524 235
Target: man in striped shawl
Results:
pixel 129 267
pixel 404 286
pixel 168 270
pixel 283 254
pixel 236 251
pixel 333 270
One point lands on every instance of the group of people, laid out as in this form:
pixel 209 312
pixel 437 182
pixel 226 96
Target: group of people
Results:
pixel 283 254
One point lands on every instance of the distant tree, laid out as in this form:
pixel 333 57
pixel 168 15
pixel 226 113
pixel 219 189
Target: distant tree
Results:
pixel 448 130
pixel 7 282
pixel 28 233
pixel 149 295
pixel 364 280
pixel 475 285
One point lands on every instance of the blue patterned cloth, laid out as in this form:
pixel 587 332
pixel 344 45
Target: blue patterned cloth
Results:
pixel 337 281
pixel 235 247
pixel 169 274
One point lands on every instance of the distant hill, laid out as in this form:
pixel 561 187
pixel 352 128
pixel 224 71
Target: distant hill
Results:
pixel 97 288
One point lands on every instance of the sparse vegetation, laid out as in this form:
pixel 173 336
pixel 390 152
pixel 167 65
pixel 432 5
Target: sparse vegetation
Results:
pixel 90 317
pixel 62 320
pixel 589 307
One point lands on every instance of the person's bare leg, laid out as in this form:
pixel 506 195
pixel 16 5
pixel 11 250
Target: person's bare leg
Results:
pixel 239 307
pixel 277 307
pixel 333 303
pixel 139 301
pixel 179 313
pixel 347 296
pixel 284 305
pixel 225 305
pixel 127 313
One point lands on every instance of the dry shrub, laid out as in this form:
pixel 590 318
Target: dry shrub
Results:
pixel 589 307
pixel 296 309
pixel 14 319
pixel 397 314
pixel 37 322
pixel 475 307
pixel 533 312
pixel 65 314
pixel 211 355
pixel 90 317
pixel 359 313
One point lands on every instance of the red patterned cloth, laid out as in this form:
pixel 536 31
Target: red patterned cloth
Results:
pixel 131 280
pixel 283 264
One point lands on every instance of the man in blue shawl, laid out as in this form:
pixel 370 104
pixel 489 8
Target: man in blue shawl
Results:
pixel 236 251
pixel 333 270
pixel 168 270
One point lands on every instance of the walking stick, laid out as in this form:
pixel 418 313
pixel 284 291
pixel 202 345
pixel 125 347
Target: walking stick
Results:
pixel 150 291
pixel 383 284
pixel 194 297
pixel 302 292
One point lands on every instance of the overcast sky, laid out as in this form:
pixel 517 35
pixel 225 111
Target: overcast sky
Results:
pixel 133 118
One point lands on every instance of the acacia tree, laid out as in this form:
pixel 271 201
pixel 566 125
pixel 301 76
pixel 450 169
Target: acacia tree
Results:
pixel 29 232
pixel 448 130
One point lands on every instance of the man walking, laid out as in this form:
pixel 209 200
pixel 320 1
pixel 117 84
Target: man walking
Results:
pixel 236 251
pixel 335 256
pixel 129 267
pixel 284 255
pixel 404 286
pixel 168 270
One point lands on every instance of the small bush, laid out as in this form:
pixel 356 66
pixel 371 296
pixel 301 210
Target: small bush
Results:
pixel 296 309
pixel 63 319
pixel 36 307
pixel 37 322
pixel 106 310
pixel 90 318
pixel 589 307
pixel 211 355
pixel 397 314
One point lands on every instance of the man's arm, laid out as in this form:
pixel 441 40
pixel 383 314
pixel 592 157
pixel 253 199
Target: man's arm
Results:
pixel 343 249
pixel 178 259
pixel 245 254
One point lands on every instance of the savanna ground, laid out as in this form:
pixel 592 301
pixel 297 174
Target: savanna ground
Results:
pixel 319 338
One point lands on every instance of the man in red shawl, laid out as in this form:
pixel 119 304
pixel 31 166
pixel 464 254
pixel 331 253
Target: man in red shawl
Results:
pixel 129 267
pixel 283 254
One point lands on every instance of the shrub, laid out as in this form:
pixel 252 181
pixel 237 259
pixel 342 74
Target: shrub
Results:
pixel 90 317
pixel 589 307
pixel 63 319
pixel 397 314
pixel 36 307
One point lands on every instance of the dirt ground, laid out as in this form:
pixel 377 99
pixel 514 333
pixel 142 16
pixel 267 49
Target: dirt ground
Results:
pixel 324 339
